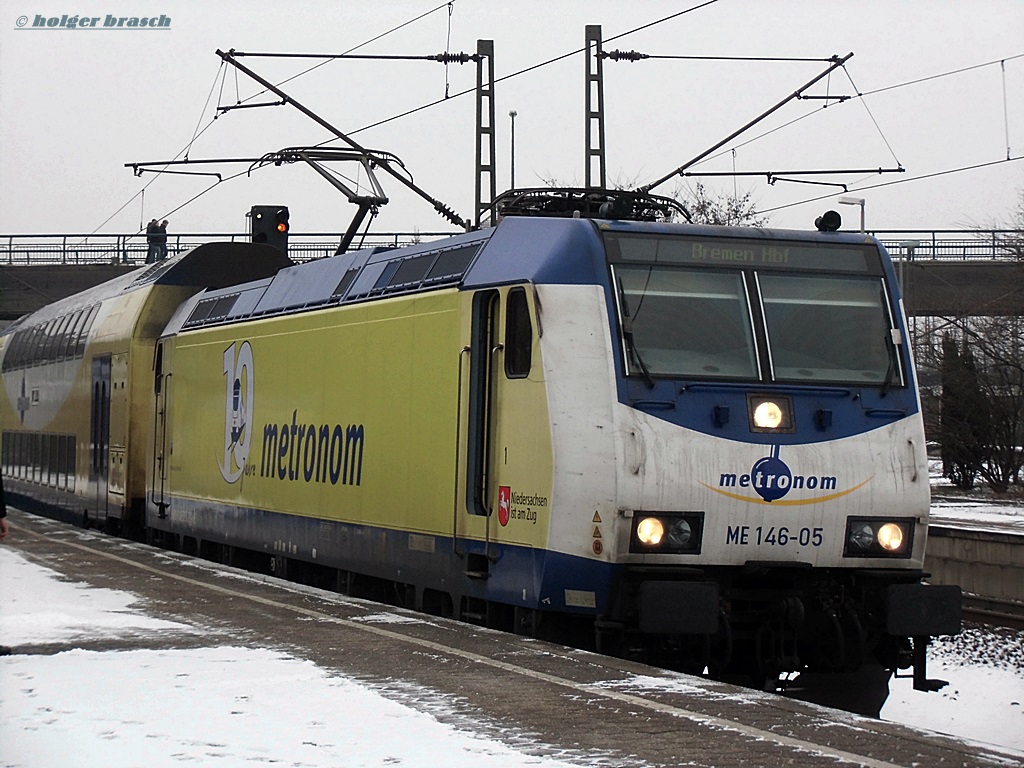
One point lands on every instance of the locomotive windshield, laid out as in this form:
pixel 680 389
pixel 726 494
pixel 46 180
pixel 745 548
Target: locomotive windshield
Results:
pixel 753 310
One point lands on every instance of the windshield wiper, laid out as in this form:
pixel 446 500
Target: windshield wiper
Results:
pixel 890 348
pixel 627 333
pixel 890 372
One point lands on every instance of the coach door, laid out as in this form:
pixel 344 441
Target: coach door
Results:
pixel 500 358
pixel 161 400
pixel 99 430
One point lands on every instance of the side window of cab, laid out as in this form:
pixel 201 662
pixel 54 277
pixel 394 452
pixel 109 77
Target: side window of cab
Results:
pixel 518 335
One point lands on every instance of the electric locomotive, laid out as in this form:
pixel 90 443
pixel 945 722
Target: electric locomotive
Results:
pixel 699 446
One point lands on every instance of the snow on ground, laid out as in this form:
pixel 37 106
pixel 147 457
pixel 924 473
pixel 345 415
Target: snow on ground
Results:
pixel 984 700
pixel 951 506
pixel 979 515
pixel 216 706
pixel 230 706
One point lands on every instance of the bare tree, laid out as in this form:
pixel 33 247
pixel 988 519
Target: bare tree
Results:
pixel 998 346
pixel 706 207
pixel 980 427
pixel 963 421
pixel 1006 238
pixel 1012 242
pixel 978 363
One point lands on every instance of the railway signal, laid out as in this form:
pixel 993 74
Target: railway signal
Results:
pixel 269 224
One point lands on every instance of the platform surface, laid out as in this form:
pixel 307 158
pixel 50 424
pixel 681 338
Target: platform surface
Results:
pixel 566 698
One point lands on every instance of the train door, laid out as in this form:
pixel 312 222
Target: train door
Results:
pixel 117 437
pixel 499 451
pixel 161 389
pixel 99 432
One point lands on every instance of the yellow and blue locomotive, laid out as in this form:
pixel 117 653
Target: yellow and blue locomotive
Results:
pixel 701 446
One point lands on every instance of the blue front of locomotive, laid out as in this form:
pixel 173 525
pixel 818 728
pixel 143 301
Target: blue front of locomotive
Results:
pixel 739 454
pixel 766 378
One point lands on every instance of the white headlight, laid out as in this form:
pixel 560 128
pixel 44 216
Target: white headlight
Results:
pixel 890 536
pixel 650 531
pixel 768 415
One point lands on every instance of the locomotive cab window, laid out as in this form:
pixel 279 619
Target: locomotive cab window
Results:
pixel 686 323
pixel 750 310
pixel 518 335
pixel 828 328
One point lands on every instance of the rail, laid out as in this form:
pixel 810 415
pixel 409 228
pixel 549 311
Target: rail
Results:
pixel 71 249
pixel 987 564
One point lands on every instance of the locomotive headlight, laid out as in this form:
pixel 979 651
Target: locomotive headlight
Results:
pixel 890 536
pixel 770 413
pixel 650 531
pixel 667 533
pixel 874 537
pixel 680 534
pixel 861 537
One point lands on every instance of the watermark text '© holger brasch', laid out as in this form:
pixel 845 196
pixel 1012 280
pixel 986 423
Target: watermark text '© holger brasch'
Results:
pixel 69 21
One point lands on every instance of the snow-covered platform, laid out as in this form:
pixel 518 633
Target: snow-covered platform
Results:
pixel 129 655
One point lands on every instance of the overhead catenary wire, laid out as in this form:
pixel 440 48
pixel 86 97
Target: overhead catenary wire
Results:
pixel 872 116
pixel 861 95
pixel 448 47
pixel 951 72
pixel 1009 157
pixel 196 133
pixel 531 68
pixel 671 16
pixel 223 69
pixel 357 47
pixel 525 70
pixel 1006 109
pixel 635 56
pixel 880 185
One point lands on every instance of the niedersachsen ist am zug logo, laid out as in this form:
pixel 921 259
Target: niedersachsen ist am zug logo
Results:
pixel 770 480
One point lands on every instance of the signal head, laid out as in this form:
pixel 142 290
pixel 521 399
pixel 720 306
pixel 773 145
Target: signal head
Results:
pixel 829 221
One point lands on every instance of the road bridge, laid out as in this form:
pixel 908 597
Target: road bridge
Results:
pixel 964 288
pixel 943 272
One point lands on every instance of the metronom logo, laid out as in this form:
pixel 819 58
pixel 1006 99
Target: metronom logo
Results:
pixel 772 479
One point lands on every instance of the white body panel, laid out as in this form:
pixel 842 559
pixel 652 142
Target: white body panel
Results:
pixel 621 460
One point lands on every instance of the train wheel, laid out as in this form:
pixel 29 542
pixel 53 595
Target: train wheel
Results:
pixel 525 622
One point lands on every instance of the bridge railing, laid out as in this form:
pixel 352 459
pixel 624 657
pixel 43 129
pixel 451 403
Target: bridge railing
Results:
pixel 70 249
pixel 954 245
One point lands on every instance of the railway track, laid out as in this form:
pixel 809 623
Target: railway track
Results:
pixel 994 613
pixel 987 563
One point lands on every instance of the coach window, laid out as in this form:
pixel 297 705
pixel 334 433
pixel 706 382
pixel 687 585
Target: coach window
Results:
pixel 518 335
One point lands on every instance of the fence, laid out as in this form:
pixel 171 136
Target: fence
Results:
pixel 954 245
pixel 70 249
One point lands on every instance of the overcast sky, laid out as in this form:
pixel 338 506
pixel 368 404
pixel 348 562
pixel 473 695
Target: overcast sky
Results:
pixel 76 105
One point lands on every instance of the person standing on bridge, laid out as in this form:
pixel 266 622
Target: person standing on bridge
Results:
pixel 161 240
pixel 152 240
